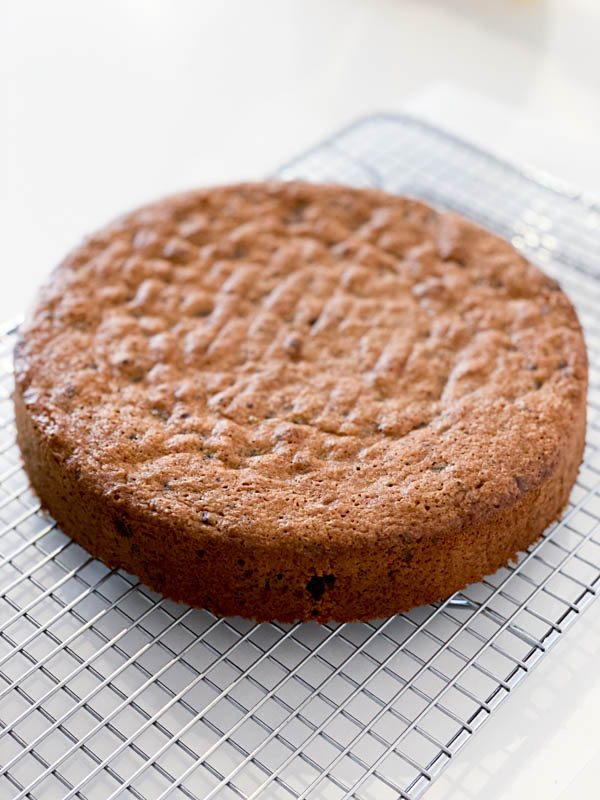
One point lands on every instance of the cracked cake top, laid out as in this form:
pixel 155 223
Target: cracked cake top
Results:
pixel 283 358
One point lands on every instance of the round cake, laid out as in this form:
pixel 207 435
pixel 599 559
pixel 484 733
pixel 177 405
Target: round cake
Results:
pixel 291 401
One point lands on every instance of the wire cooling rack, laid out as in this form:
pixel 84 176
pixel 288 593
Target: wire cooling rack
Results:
pixel 108 690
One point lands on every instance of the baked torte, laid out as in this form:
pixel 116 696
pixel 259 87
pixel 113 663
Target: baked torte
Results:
pixel 291 401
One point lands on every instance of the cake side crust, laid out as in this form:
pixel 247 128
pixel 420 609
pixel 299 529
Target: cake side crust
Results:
pixel 231 576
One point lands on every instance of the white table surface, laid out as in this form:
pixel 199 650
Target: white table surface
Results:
pixel 106 105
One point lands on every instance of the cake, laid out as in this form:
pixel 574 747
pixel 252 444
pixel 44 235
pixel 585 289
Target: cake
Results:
pixel 292 401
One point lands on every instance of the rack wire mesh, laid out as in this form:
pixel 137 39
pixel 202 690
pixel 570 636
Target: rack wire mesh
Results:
pixel 108 690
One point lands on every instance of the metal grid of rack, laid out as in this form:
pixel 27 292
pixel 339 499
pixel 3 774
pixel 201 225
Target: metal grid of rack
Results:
pixel 108 690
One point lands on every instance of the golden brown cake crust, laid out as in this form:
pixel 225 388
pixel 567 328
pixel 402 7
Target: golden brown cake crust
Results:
pixel 294 401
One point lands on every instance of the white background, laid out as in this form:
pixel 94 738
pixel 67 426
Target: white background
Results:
pixel 105 105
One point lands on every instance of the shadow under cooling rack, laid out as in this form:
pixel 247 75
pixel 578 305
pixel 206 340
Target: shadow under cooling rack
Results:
pixel 108 690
